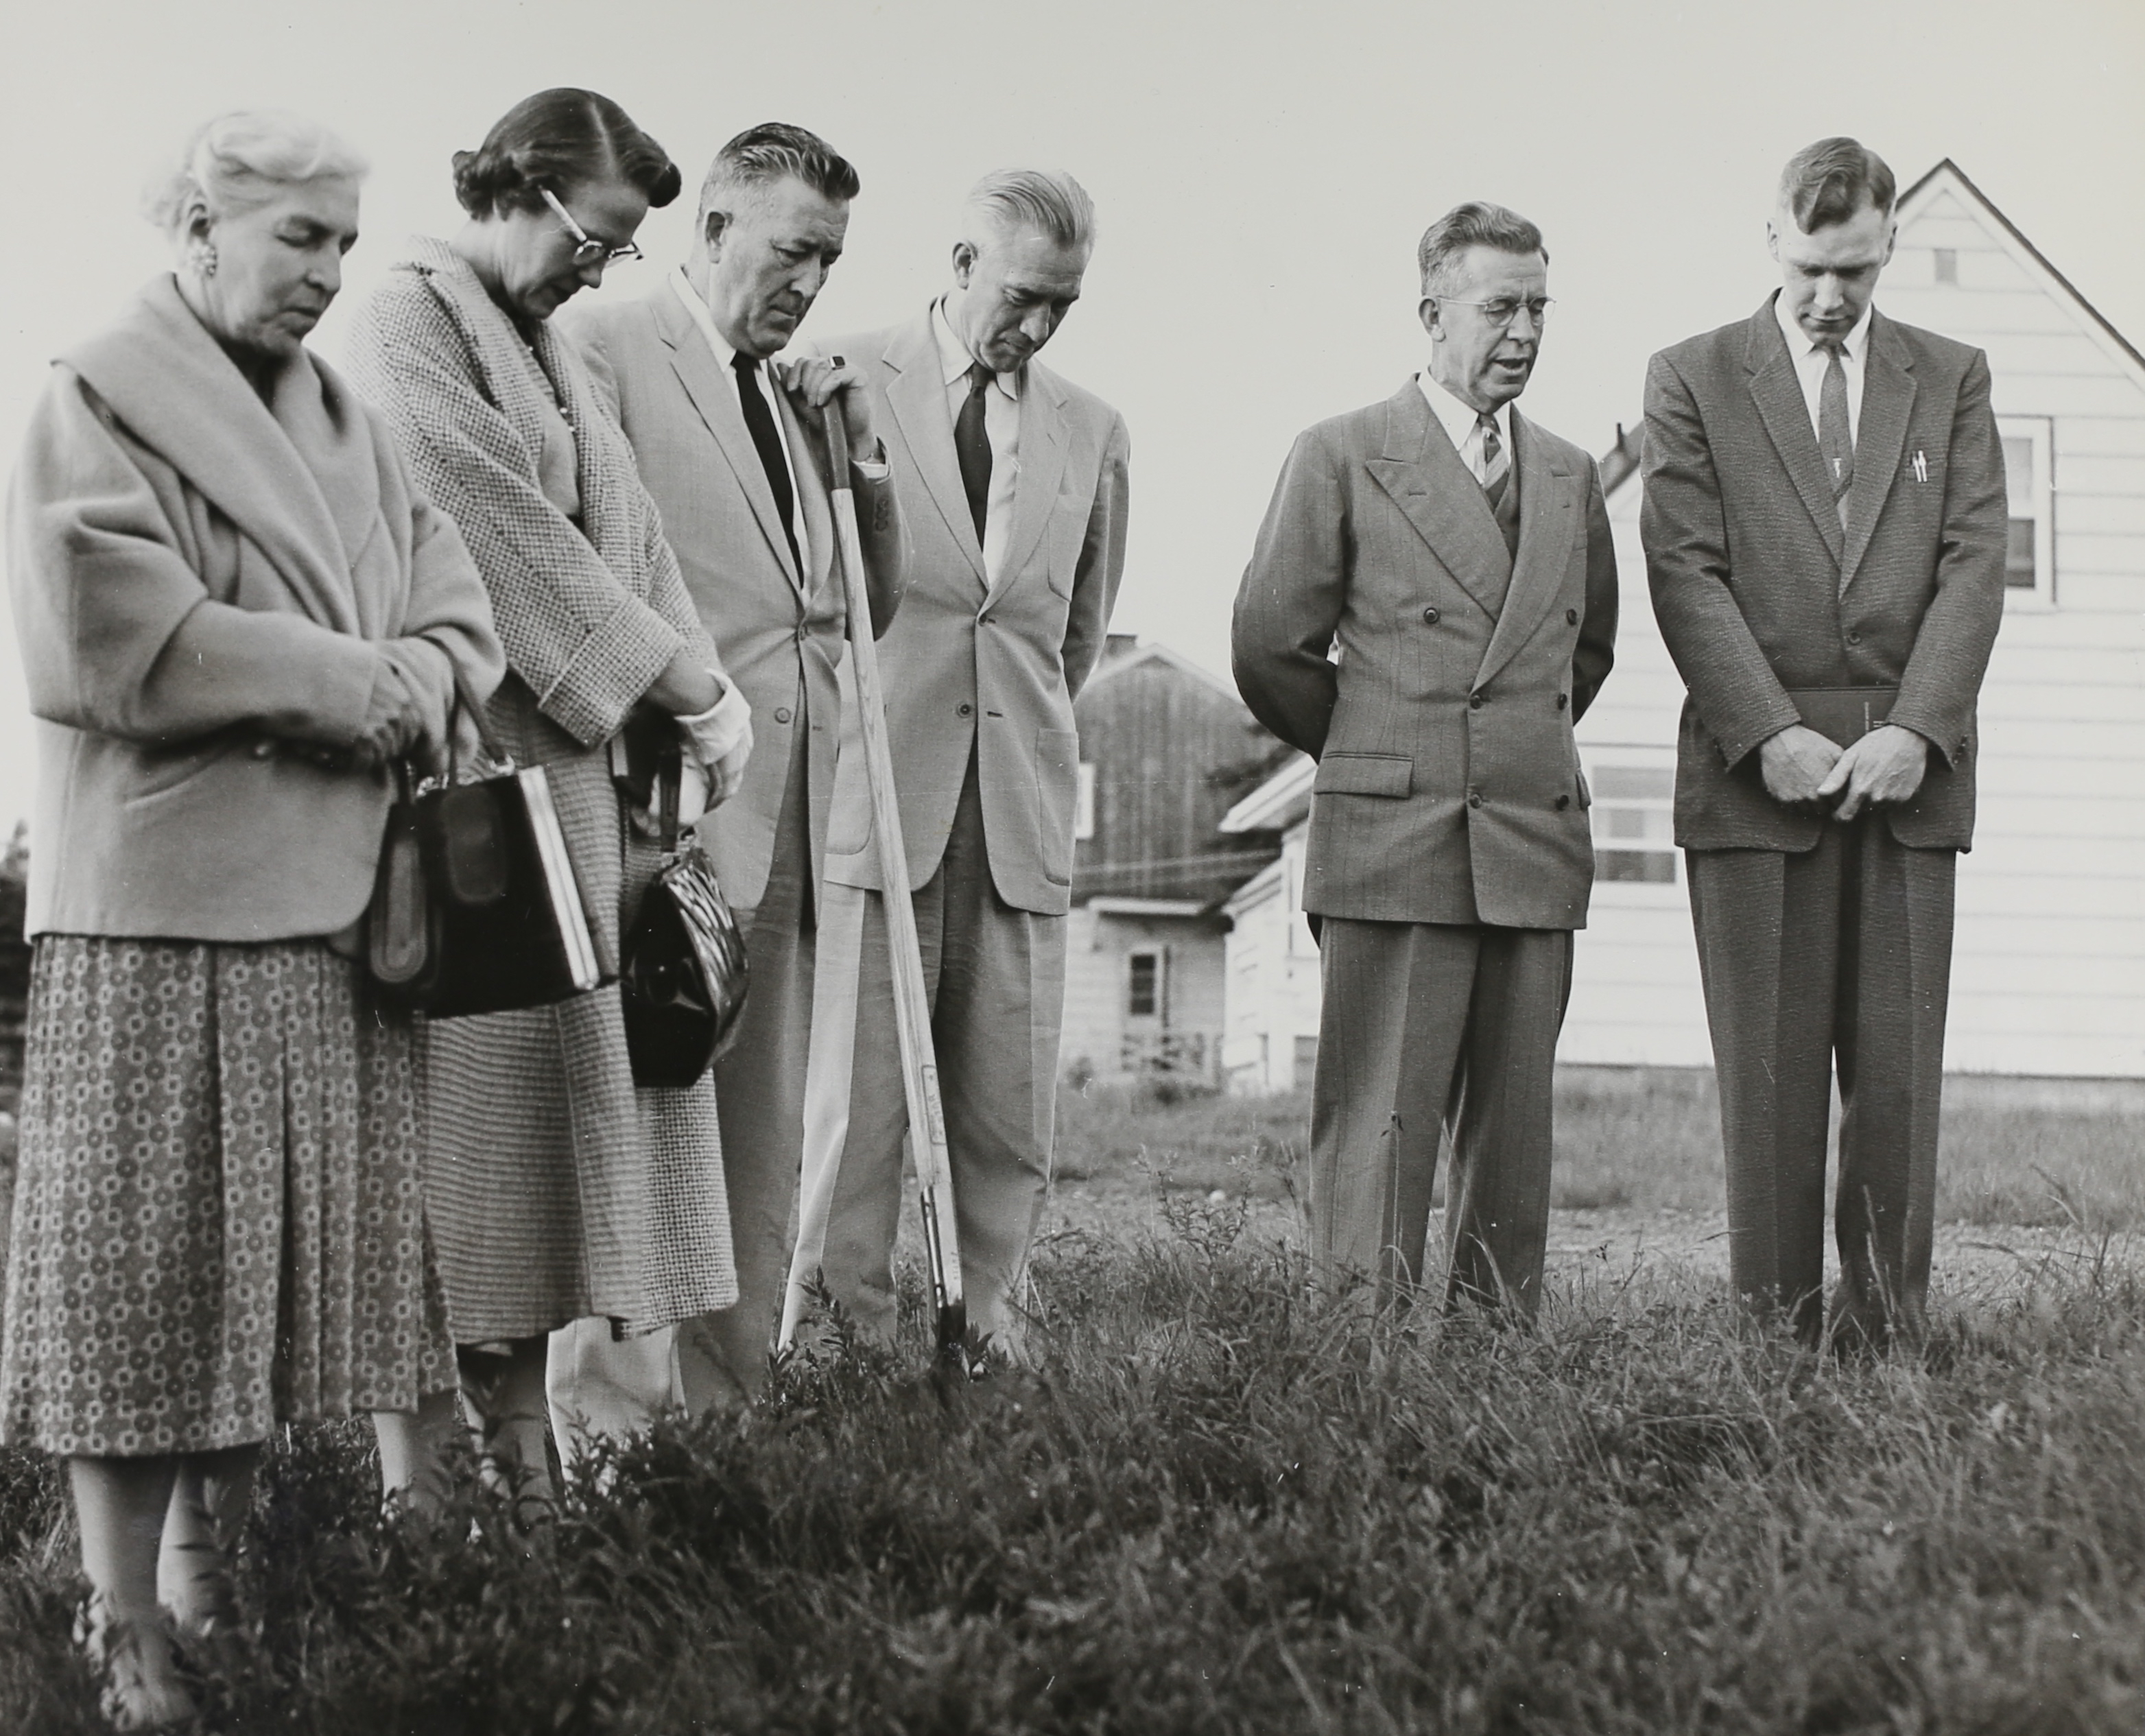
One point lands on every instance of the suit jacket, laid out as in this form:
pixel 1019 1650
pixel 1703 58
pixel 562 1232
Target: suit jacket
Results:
pixel 1448 786
pixel 1758 589
pixel 781 632
pixel 989 668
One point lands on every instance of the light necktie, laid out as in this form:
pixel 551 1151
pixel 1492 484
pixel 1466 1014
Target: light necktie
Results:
pixel 972 445
pixel 1496 462
pixel 1835 438
pixel 759 422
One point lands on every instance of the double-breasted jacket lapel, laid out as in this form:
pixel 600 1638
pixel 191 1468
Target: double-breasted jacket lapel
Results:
pixel 1549 501
pixel 716 399
pixel 1438 494
pixel 1043 450
pixel 1887 401
pixel 1785 413
pixel 917 396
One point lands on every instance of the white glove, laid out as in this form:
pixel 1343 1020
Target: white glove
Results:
pixel 721 740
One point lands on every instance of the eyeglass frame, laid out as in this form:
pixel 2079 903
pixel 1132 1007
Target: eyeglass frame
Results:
pixel 603 253
pixel 1537 311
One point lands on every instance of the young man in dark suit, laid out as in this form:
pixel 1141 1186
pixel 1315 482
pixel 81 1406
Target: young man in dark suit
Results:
pixel 1824 526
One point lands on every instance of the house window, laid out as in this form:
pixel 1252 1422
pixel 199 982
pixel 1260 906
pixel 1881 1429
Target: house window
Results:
pixel 1307 1058
pixel 1947 265
pixel 1143 985
pixel 2029 553
pixel 1635 823
pixel 1083 810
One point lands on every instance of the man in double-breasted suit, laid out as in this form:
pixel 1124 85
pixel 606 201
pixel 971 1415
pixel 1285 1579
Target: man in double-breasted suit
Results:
pixel 726 439
pixel 1013 483
pixel 1430 605
pixel 1824 526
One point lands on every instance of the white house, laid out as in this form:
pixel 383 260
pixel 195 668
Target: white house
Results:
pixel 2048 971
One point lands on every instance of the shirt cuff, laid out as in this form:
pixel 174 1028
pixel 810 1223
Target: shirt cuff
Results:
pixel 715 732
pixel 871 470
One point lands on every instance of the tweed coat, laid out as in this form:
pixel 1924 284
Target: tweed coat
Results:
pixel 205 585
pixel 781 633
pixel 589 616
pixel 1759 588
pixel 991 670
pixel 1448 788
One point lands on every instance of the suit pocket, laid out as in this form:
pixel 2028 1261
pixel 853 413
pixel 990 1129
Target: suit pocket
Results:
pixel 1365 774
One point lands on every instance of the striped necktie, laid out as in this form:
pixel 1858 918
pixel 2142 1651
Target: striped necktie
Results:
pixel 1835 437
pixel 1496 462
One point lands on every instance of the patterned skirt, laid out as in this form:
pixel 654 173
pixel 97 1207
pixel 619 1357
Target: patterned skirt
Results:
pixel 218 1221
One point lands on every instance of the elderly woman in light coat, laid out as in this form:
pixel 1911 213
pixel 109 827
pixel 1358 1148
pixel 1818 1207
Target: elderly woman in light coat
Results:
pixel 234 609
pixel 556 1189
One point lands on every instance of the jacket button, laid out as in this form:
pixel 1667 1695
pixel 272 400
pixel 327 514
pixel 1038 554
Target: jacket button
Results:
pixel 1474 702
pixel 1563 700
pixel 782 714
pixel 1474 799
pixel 1854 639
pixel 264 750
pixel 965 709
pixel 1563 802
pixel 1431 617
pixel 1571 618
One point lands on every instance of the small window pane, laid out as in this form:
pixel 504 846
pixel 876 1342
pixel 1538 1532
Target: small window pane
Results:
pixel 1653 867
pixel 2019 475
pixel 2019 555
pixel 1947 265
pixel 1639 783
pixel 1140 999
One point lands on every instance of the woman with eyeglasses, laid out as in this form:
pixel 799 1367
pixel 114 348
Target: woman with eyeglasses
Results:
pixel 555 1188
pixel 234 610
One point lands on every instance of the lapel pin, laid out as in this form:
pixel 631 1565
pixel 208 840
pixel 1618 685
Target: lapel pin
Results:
pixel 1921 467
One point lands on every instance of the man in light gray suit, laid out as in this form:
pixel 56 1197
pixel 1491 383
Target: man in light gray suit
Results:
pixel 726 442
pixel 1458 555
pixel 1014 482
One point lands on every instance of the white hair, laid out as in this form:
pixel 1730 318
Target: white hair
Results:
pixel 238 161
pixel 1046 202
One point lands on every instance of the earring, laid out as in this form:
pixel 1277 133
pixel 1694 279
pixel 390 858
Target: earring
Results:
pixel 203 259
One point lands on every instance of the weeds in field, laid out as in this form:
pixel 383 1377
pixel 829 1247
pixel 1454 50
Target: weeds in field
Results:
pixel 1220 1505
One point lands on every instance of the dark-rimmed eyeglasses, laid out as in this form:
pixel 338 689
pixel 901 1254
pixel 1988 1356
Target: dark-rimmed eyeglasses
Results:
pixel 1504 309
pixel 588 251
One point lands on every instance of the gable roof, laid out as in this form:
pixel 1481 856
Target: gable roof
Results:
pixel 1153 651
pixel 1946 177
pixel 1277 803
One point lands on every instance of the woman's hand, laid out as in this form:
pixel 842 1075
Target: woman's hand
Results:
pixel 685 688
pixel 397 716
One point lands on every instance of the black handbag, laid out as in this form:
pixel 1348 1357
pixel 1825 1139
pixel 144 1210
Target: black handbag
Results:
pixel 476 906
pixel 685 975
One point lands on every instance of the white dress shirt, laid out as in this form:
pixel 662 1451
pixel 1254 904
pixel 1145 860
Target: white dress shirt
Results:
pixel 1810 363
pixel 1458 421
pixel 1001 426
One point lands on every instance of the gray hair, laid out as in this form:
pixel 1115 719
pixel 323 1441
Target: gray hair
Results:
pixel 1476 224
pixel 775 151
pixel 1827 183
pixel 1047 201
pixel 240 161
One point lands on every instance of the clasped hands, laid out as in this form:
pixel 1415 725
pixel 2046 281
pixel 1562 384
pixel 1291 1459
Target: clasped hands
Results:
pixel 1802 769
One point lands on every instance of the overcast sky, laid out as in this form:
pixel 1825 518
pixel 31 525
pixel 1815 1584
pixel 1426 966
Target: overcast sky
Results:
pixel 1261 172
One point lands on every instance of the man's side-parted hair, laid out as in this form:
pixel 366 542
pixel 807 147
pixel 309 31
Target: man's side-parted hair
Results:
pixel 1045 201
pixel 1476 224
pixel 238 160
pixel 559 139
pixel 775 151
pixel 1827 183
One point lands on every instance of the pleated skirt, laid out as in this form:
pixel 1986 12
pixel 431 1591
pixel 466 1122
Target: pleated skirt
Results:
pixel 218 1222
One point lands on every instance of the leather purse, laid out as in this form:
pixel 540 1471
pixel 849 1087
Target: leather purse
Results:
pixel 685 974
pixel 476 906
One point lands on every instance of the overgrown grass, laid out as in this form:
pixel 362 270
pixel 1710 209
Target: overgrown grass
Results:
pixel 1217 1506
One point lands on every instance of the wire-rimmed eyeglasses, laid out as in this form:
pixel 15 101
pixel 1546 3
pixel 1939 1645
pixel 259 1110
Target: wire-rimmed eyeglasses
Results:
pixel 588 251
pixel 1504 310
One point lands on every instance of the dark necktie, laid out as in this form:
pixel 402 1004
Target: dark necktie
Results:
pixel 972 445
pixel 760 420
pixel 1834 439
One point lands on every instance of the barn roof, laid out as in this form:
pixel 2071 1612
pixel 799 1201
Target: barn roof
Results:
pixel 1132 653
pixel 1277 803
